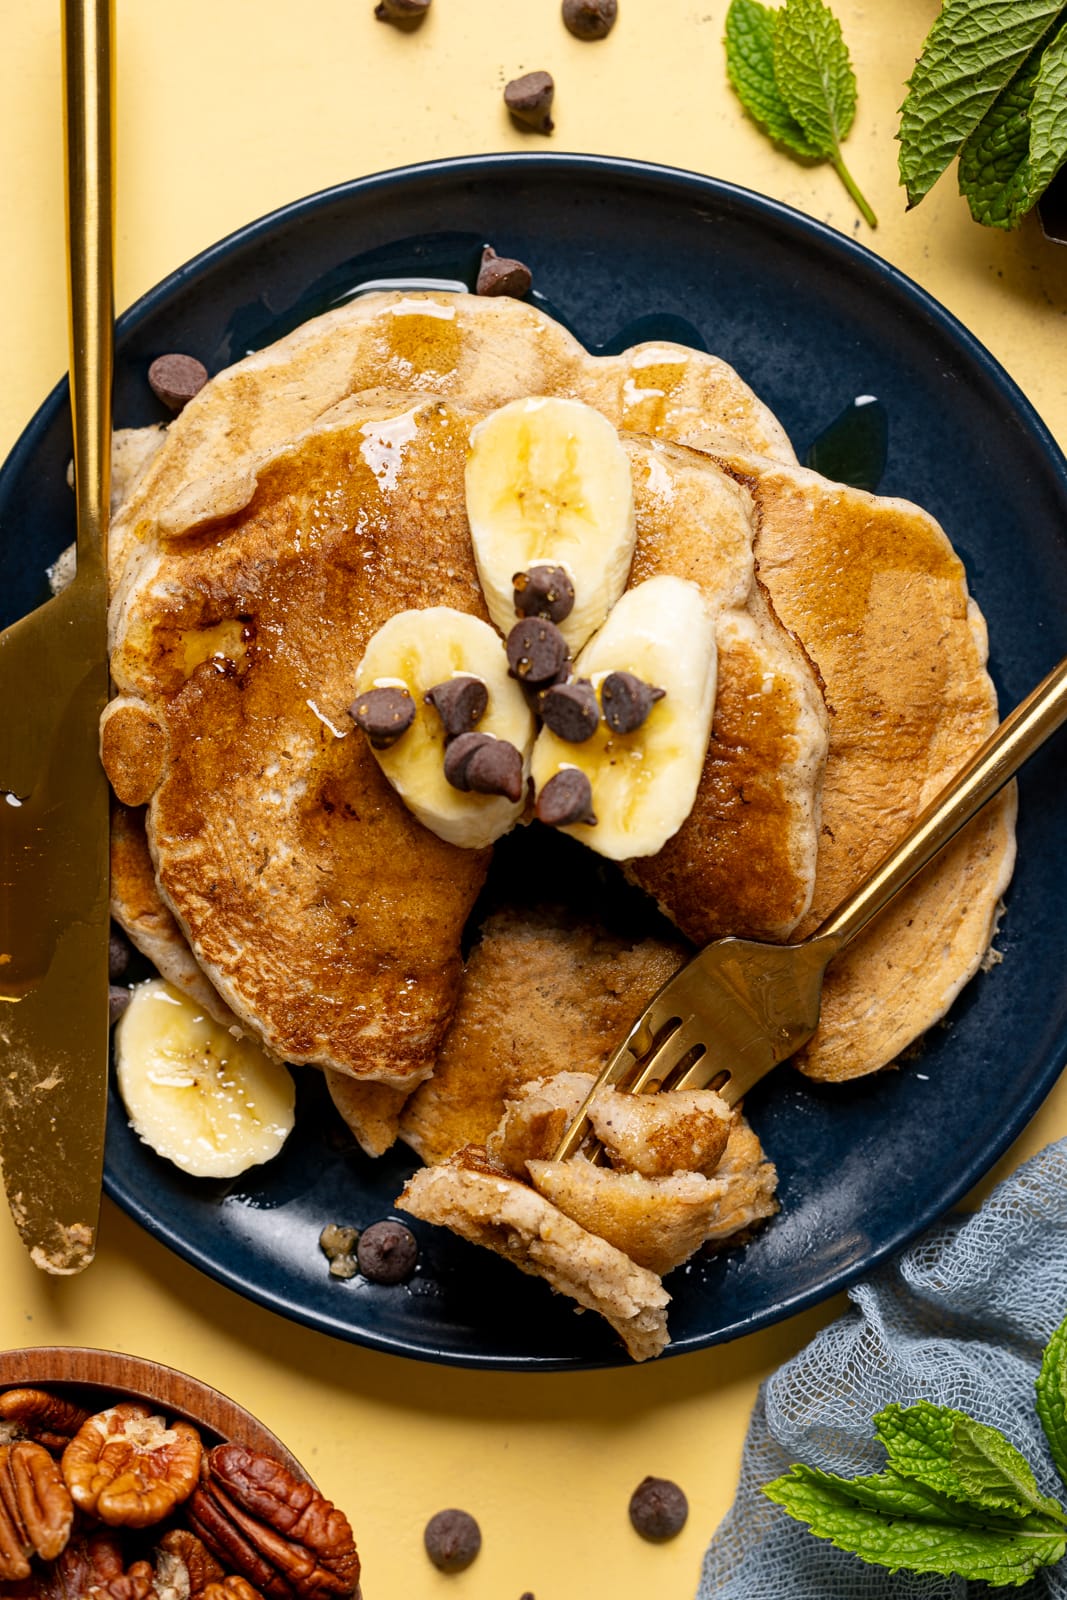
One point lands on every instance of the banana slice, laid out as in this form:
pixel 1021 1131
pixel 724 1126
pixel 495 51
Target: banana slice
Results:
pixel 643 782
pixel 212 1104
pixel 549 484
pixel 418 651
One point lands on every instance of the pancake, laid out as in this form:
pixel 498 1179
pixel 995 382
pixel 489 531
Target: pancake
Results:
pixel 885 752
pixel 485 1204
pixel 544 991
pixel 489 350
pixel 875 590
pixel 138 909
pixel 326 917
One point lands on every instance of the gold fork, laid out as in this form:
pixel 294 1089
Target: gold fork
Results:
pixel 741 1006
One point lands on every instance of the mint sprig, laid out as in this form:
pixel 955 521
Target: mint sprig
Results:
pixel 955 1497
pixel 791 71
pixel 991 88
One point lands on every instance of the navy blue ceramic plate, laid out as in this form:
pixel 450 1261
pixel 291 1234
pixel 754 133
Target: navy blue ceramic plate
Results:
pixel 622 251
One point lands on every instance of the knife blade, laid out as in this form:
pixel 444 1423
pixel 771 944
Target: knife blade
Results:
pixel 54 918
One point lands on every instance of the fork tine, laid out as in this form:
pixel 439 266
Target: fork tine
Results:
pixel 669 1054
pixel 621 1061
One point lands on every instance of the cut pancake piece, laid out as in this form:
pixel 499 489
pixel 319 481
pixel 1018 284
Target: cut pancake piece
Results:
pixel 484 1204
pixel 657 1222
pixel 325 915
pixel 543 992
pixel 657 1215
pixel 659 1134
pixel 879 597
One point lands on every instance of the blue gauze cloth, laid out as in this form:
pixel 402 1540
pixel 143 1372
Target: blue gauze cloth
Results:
pixel 959 1319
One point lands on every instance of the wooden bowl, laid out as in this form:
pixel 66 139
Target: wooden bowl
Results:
pixel 98 1378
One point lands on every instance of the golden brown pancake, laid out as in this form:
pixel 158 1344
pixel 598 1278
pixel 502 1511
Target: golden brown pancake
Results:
pixel 324 914
pixel 487 350
pixel 485 1204
pixel 544 991
pixel 137 908
pixel 885 751
pixel 879 597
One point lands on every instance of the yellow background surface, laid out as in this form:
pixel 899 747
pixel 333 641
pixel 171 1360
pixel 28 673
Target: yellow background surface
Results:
pixel 227 109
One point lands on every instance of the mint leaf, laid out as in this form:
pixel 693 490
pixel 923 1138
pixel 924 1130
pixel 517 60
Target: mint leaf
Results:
pixel 895 1522
pixel 972 52
pixel 813 72
pixel 1048 116
pixel 749 41
pixel 1052 1397
pixel 949 1453
pixel 791 72
pixel 995 172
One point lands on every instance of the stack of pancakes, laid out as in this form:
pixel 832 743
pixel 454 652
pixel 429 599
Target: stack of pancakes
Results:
pixel 261 860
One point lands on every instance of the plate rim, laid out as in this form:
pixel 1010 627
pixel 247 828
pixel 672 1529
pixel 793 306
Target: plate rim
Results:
pixel 679 183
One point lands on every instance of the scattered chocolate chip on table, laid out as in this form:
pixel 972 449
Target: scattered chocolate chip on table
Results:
pixel 529 99
pixel 452 1540
pixel 590 19
pixel 658 1509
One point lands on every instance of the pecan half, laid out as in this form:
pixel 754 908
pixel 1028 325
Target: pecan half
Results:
pixel 231 1589
pixel 35 1414
pixel 126 1467
pixel 273 1527
pixel 84 1571
pixel 185 1566
pixel 36 1511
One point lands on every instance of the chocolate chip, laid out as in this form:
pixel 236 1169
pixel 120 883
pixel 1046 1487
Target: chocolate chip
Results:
pixel 529 99
pixel 502 275
pixel 406 13
pixel 338 1244
pixel 175 379
pixel 457 754
pixel 459 702
pixel 544 592
pixel 117 1001
pixel 387 1252
pixel 452 1540
pixel 627 701
pixel 590 19
pixel 495 768
pixel 566 798
pixel 118 955
pixel 571 710
pixel 658 1509
pixel 383 714
pixel 536 650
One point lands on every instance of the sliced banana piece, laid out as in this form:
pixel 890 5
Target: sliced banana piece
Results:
pixel 644 782
pixel 549 484
pixel 419 650
pixel 212 1104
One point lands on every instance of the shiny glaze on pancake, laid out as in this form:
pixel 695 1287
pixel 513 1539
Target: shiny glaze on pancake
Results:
pixel 323 913
pixel 875 590
pixel 485 350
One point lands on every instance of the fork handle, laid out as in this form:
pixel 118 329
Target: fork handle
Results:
pixel 989 769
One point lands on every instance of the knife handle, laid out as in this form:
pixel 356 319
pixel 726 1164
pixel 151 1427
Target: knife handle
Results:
pixel 88 45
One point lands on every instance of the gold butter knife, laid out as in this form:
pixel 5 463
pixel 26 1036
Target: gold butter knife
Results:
pixel 53 792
